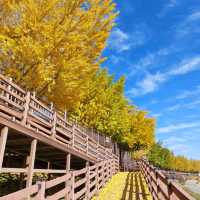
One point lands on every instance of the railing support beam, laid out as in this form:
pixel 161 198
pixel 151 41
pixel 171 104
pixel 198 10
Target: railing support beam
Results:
pixel 68 162
pixel 3 140
pixel 31 162
pixel 26 108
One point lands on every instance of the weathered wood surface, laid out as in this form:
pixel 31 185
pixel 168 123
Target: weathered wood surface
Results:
pixel 23 111
pixel 80 184
pixel 160 187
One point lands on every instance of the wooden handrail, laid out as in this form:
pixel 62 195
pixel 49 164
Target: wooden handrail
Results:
pixel 160 187
pixel 90 185
pixel 26 109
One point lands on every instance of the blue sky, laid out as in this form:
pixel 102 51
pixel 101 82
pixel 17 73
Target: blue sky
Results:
pixel 156 45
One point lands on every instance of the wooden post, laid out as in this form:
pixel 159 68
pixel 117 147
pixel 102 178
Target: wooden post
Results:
pixel 73 134
pixel 9 88
pixel 157 185
pixel 169 187
pixel 108 170
pixel 72 186
pixel 3 139
pixel 49 167
pixel 103 172
pixel 87 181
pixel 65 115
pixel 41 190
pixel 98 157
pixel 114 168
pixel 53 130
pixel 68 166
pixel 68 162
pixel 34 94
pixel 31 163
pixel 111 171
pixel 87 143
pixel 111 168
pixel 97 178
pixel 26 108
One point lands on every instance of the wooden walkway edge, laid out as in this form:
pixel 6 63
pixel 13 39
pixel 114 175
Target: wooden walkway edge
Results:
pixel 92 179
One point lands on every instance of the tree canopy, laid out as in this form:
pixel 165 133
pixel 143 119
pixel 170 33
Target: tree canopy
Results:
pixel 54 47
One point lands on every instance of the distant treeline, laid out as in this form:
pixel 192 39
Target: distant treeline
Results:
pixel 164 158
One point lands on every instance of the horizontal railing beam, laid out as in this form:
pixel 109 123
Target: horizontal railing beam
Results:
pixel 166 190
pixel 19 105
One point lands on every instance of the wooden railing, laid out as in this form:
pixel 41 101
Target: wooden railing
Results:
pixel 160 187
pixel 26 109
pixel 80 184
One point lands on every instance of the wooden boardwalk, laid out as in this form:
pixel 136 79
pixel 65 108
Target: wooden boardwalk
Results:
pixel 125 186
pixel 75 185
pixel 37 138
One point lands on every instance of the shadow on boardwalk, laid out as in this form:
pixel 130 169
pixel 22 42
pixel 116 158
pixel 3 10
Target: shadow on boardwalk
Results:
pixel 135 188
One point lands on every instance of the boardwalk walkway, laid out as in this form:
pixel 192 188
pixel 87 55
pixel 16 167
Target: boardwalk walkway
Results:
pixel 40 139
pixel 125 186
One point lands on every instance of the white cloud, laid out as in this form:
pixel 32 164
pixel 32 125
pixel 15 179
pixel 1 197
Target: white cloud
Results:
pixel 190 25
pixel 148 84
pixel 149 60
pixel 171 140
pixel 186 66
pixel 194 16
pixel 190 105
pixel 115 59
pixel 174 107
pixel 141 65
pixel 180 149
pixel 188 93
pixel 172 3
pixel 193 104
pixel 177 127
pixel 183 143
pixel 167 7
pixel 153 81
pixel 121 41
pixel 156 115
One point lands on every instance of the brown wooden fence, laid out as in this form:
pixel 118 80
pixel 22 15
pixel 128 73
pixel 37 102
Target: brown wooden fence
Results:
pixel 160 187
pixel 23 108
pixel 80 184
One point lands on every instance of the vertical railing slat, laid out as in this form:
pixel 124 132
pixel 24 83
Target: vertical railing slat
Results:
pixel 26 108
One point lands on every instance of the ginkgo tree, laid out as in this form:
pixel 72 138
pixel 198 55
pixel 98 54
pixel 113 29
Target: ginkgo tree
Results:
pixel 54 46
pixel 106 108
pixel 141 135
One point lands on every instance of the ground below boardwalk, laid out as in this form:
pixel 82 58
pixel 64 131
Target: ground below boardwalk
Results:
pixel 125 186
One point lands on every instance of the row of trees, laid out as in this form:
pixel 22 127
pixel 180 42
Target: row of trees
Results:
pixel 54 47
pixel 164 158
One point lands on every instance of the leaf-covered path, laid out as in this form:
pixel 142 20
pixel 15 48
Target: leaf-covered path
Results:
pixel 125 186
